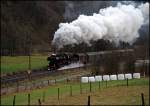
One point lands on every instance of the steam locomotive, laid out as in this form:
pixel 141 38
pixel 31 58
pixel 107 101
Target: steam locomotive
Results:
pixel 59 60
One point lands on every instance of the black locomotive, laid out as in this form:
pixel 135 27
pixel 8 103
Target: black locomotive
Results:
pixel 59 60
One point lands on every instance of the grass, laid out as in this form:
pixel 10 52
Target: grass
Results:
pixel 138 86
pixel 109 96
pixel 20 63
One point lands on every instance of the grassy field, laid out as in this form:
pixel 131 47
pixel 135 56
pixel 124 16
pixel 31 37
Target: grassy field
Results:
pixel 20 63
pixel 110 96
pixel 116 92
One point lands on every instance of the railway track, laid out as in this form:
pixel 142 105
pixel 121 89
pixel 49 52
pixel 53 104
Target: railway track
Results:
pixel 21 76
pixel 25 86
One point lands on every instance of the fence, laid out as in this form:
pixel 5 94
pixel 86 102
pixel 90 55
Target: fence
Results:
pixel 33 84
pixel 83 88
pixel 30 85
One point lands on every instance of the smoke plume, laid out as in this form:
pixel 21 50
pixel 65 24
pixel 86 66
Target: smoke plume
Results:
pixel 120 23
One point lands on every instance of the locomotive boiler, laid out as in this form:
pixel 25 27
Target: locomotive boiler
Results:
pixel 59 60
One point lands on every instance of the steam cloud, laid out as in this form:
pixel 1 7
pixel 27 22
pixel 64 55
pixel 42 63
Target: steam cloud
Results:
pixel 120 23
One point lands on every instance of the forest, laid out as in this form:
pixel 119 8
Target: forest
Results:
pixel 30 26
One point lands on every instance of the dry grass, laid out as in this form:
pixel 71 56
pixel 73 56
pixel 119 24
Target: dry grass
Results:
pixel 111 96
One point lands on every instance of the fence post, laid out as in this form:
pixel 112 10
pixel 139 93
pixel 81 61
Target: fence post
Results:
pixel 17 86
pixel 142 97
pixel 88 100
pixel 70 90
pixel 39 102
pixel 127 82
pixel 67 80
pixel 90 87
pixel 48 82
pixel 28 99
pixel 30 85
pixel 25 86
pixel 58 93
pixel 144 74
pixel 42 84
pixel 14 100
pixel 55 81
pixel 43 96
pixel 7 87
pixel 80 88
pixel 99 85
pixel 33 85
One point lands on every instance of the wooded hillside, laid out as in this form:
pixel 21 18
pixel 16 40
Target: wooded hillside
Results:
pixel 22 21
pixel 32 24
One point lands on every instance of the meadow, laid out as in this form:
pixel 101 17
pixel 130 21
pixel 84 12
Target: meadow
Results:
pixel 20 63
pixel 116 92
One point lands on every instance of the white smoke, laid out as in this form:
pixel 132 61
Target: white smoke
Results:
pixel 145 11
pixel 120 23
